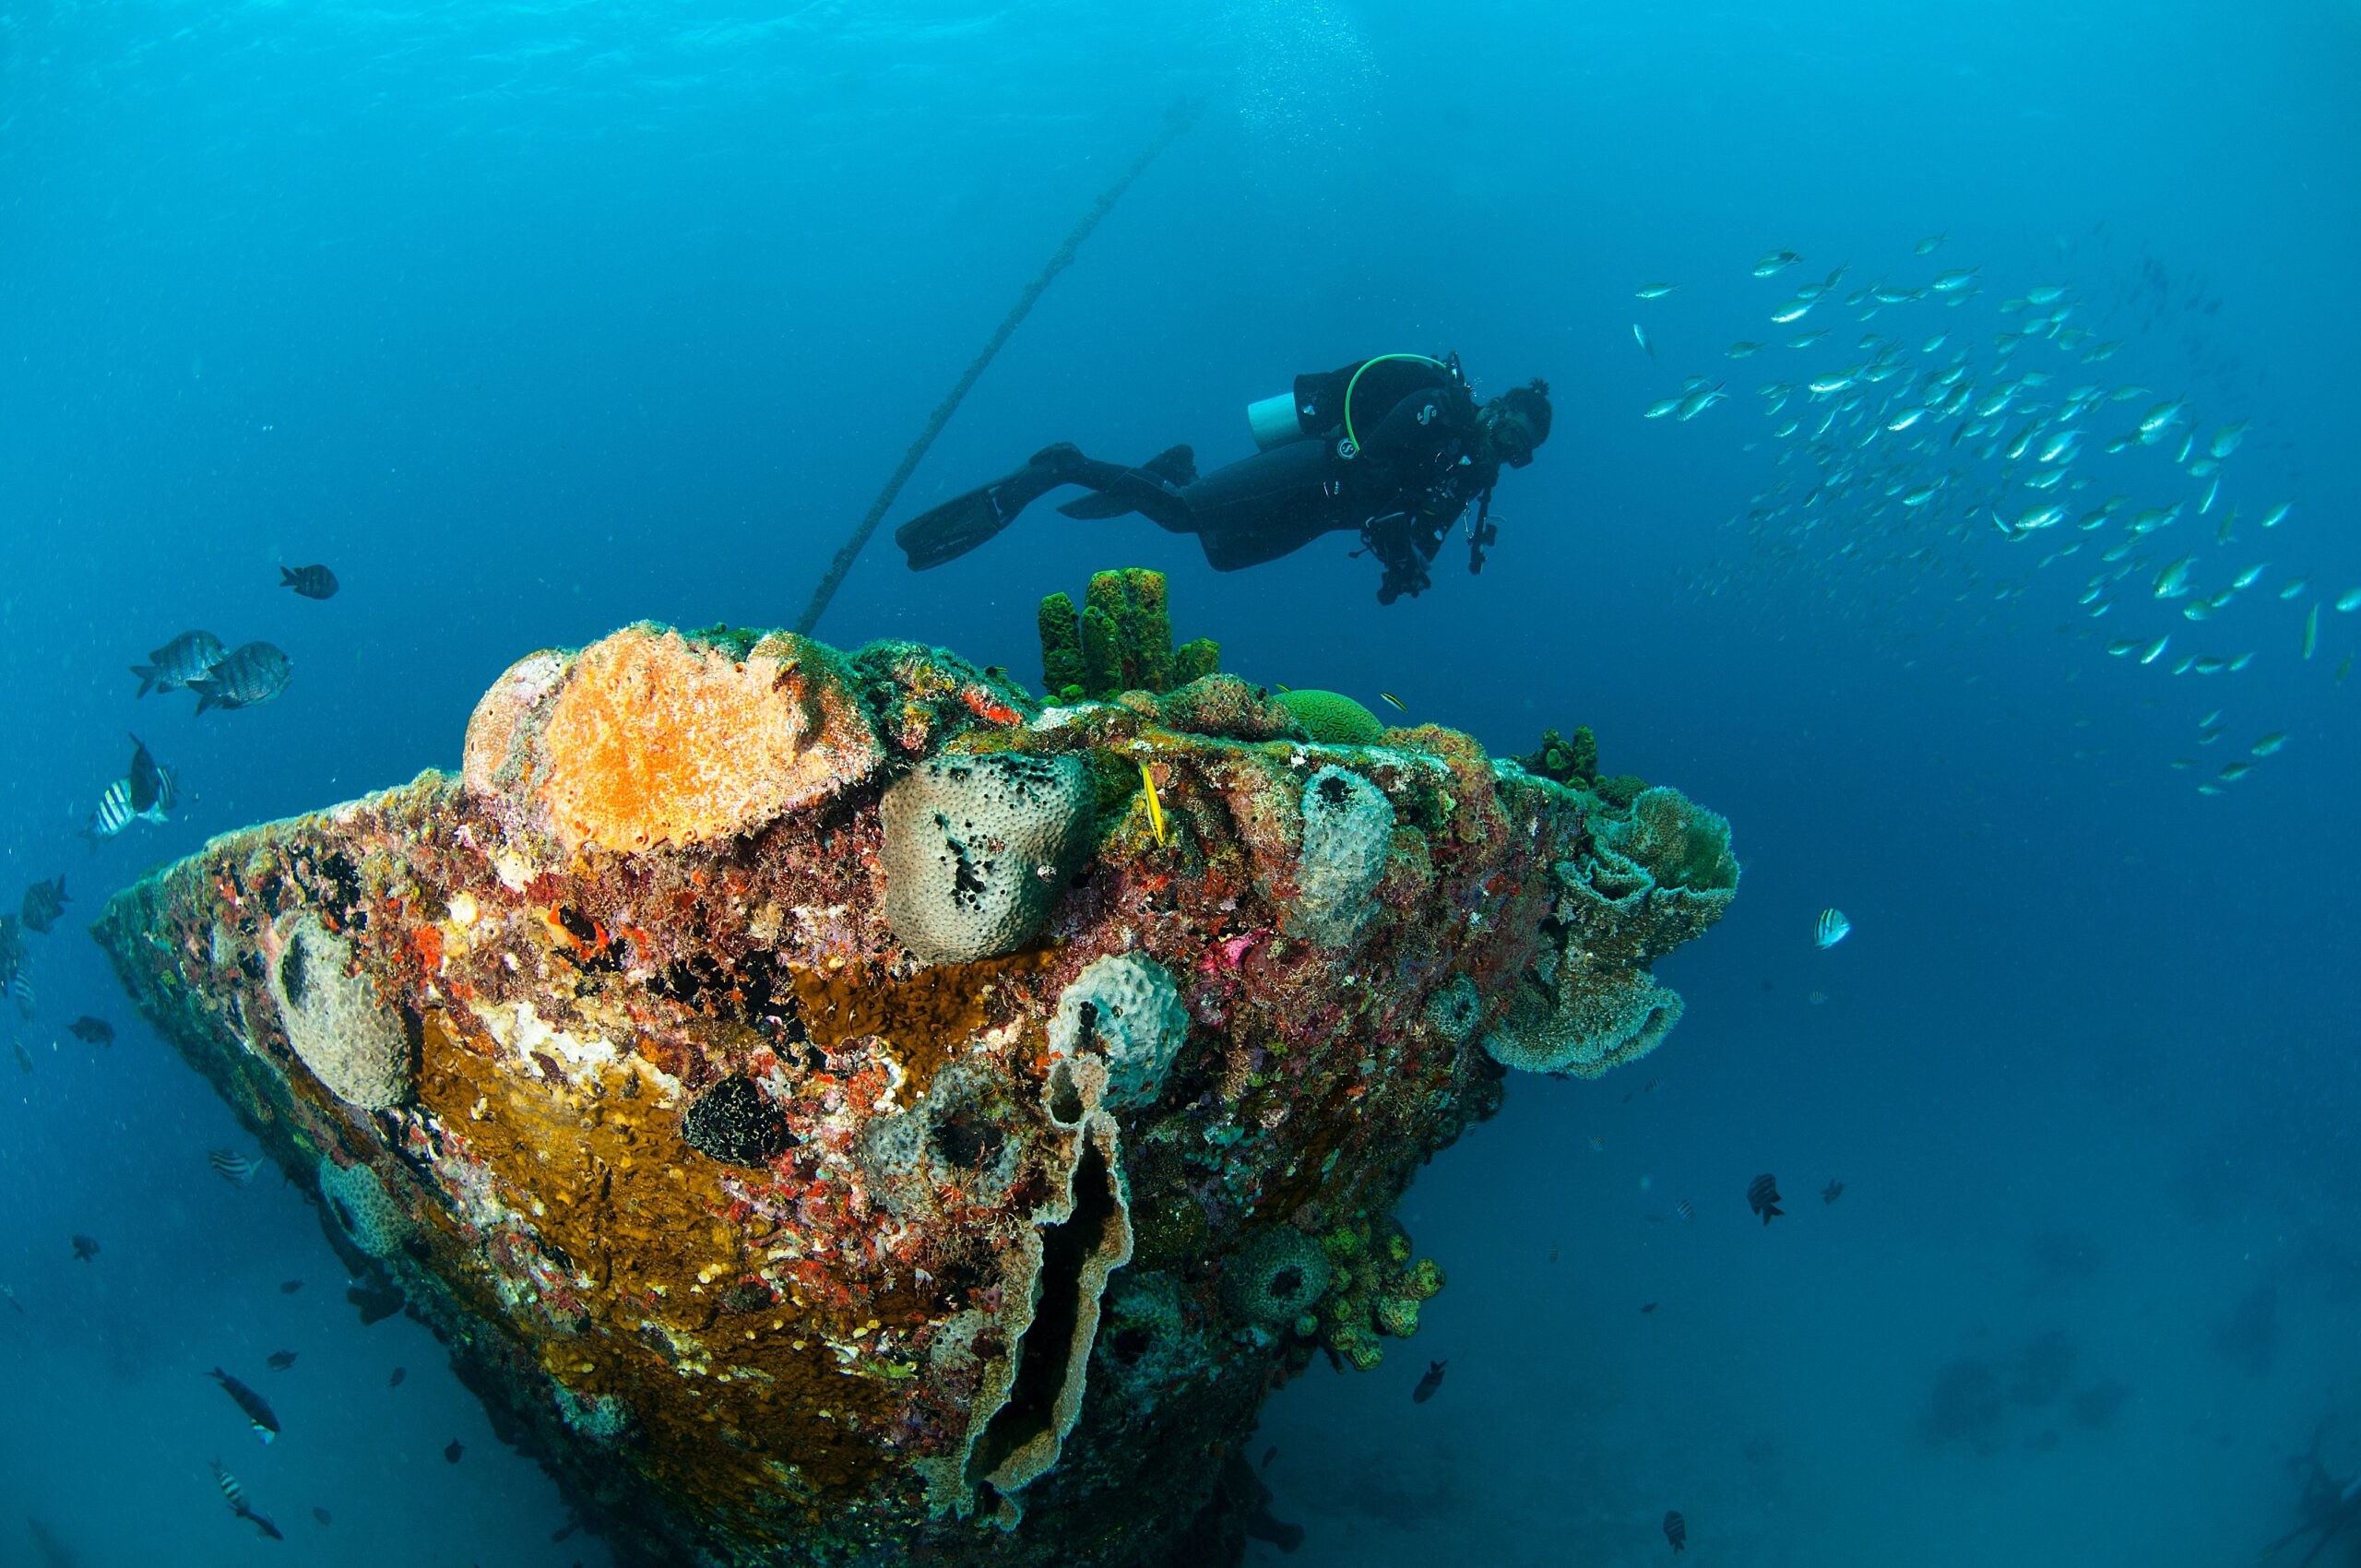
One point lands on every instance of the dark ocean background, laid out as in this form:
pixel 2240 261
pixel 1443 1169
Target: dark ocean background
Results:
pixel 535 319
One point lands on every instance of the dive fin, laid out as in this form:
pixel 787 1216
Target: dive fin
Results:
pixel 964 522
pixel 948 531
pixel 1177 465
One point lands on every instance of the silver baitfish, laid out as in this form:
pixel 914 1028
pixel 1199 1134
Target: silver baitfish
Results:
pixel 249 674
pixel 178 662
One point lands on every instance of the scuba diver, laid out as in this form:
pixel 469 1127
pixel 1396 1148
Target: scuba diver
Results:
pixel 2329 1509
pixel 1393 448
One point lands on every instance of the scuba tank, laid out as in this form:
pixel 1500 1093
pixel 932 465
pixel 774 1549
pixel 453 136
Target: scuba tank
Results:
pixel 1275 421
pixel 1322 403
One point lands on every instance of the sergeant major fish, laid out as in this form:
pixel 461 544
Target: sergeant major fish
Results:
pixel 312 582
pixel 249 674
pixel 110 815
pixel 1428 1383
pixel 44 901
pixel 1762 1197
pixel 174 665
pixel 235 1496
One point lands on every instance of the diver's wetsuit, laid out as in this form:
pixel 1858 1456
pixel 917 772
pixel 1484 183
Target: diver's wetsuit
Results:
pixel 1408 479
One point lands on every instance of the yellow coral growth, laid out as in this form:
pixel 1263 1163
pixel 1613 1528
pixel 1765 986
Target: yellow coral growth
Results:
pixel 652 739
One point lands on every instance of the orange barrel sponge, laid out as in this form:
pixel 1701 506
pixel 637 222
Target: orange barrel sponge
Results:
pixel 647 738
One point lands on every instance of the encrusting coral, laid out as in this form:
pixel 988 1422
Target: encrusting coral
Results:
pixel 831 1124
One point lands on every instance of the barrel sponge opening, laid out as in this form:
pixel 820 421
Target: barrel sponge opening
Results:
pixel 1584 1022
pixel 363 1210
pixel 1127 1008
pixel 1678 842
pixel 365 1052
pixel 1348 832
pixel 1276 1278
pixel 976 847
pixel 1333 719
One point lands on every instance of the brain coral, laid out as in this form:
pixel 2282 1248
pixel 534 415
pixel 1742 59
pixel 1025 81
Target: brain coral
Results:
pixel 976 847
pixel 1348 830
pixel 361 1051
pixel 1126 1007
pixel 1333 718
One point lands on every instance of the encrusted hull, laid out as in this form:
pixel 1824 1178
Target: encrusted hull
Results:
pixel 779 1243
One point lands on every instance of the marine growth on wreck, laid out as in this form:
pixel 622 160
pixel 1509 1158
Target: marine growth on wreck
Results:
pixel 830 1123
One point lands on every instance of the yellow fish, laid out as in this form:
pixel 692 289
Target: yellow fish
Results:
pixel 1155 808
pixel 1390 697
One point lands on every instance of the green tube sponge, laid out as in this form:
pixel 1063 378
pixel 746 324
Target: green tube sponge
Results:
pixel 1062 667
pixel 1587 1022
pixel 1194 660
pixel 1102 653
pixel 1133 602
pixel 1276 1278
pixel 1333 720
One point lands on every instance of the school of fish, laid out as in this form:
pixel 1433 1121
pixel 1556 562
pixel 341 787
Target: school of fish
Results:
pixel 1906 461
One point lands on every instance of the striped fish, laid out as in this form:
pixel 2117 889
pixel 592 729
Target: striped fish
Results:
pixel 168 793
pixel 231 1166
pixel 248 674
pixel 1832 929
pixel 231 1492
pixel 178 662
pixel 1686 1210
pixel 235 1496
pixel 111 814
pixel 1676 1529
pixel 21 992
pixel 44 901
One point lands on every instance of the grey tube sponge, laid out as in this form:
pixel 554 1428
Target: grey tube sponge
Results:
pixel 361 1050
pixel 1126 1007
pixel 977 847
pixel 1348 833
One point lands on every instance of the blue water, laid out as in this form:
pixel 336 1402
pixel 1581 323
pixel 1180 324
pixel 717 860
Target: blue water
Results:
pixel 534 319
